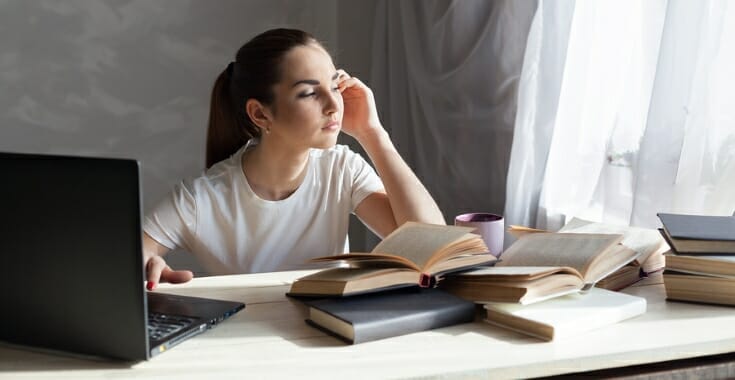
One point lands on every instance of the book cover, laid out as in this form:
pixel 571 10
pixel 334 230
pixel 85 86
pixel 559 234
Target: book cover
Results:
pixel 700 227
pixel 370 317
pixel 565 316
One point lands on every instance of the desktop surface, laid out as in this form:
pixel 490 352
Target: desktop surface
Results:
pixel 271 340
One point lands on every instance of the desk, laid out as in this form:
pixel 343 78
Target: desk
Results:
pixel 269 339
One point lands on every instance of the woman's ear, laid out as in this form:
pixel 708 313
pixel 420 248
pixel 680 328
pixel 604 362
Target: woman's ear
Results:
pixel 259 114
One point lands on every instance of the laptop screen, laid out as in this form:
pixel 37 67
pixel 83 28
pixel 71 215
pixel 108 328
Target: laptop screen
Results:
pixel 70 247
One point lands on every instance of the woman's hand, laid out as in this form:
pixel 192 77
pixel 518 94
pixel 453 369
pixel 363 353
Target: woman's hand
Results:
pixel 360 117
pixel 156 269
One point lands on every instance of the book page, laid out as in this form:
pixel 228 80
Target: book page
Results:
pixel 417 242
pixel 513 273
pixel 646 242
pixel 558 249
pixel 373 260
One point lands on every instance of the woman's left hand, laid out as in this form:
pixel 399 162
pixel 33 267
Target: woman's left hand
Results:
pixel 360 116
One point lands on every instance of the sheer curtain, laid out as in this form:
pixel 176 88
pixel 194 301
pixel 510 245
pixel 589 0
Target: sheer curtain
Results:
pixel 624 111
pixel 445 76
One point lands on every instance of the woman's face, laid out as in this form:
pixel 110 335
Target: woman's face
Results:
pixel 308 107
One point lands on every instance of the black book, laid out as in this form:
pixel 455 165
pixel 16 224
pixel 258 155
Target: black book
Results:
pixel 369 317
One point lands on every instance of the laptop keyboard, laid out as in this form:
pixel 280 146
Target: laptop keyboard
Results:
pixel 161 326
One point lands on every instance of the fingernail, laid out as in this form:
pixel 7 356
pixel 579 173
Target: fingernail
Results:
pixel 151 285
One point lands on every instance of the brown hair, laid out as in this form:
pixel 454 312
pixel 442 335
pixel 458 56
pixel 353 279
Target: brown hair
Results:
pixel 252 75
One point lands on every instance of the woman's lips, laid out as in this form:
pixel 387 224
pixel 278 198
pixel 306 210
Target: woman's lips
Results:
pixel 331 126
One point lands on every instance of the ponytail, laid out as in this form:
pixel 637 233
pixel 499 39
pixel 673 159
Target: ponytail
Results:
pixel 229 126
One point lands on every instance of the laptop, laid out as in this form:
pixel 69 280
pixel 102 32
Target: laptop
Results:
pixel 71 266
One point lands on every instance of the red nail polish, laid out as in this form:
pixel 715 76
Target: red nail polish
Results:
pixel 151 285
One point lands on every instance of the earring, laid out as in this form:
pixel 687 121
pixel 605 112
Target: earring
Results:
pixel 267 130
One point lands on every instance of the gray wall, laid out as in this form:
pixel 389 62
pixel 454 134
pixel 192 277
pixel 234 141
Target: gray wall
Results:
pixel 132 78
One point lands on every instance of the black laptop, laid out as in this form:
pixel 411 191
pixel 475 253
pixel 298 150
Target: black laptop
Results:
pixel 71 267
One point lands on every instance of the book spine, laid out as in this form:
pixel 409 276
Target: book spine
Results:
pixel 390 327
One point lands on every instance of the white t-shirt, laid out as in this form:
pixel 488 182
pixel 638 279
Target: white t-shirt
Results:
pixel 219 218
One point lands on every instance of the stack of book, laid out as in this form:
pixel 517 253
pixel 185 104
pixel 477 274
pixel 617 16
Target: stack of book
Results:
pixel 700 267
pixel 391 291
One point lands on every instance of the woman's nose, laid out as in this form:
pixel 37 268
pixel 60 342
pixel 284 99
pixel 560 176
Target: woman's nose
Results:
pixel 332 102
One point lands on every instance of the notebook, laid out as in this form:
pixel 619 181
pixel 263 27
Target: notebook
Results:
pixel 71 267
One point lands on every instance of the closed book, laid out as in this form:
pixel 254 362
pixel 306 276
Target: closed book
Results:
pixel 568 315
pixel 369 317
pixel 697 288
pixel 706 265
pixel 697 246
pixel 699 227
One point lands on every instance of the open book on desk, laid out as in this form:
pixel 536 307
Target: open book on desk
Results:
pixel 415 254
pixel 539 266
pixel 647 242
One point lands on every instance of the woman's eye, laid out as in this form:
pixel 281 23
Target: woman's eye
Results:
pixel 306 95
pixel 335 89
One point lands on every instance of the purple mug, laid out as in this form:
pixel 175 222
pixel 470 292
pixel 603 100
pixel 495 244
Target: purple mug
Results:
pixel 490 226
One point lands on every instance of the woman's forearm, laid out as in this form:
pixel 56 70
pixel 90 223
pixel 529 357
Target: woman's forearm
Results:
pixel 409 199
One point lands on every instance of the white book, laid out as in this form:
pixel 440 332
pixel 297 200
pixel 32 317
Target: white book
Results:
pixel 568 315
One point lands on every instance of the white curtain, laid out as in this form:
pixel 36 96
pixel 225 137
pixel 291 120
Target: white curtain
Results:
pixel 445 75
pixel 625 109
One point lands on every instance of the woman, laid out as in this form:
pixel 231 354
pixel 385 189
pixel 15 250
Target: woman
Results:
pixel 278 190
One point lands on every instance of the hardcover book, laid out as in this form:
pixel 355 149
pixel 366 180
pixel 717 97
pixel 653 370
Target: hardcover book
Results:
pixel 369 317
pixel 682 286
pixel 699 227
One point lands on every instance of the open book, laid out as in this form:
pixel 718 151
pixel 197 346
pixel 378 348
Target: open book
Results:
pixel 414 254
pixel 539 266
pixel 647 242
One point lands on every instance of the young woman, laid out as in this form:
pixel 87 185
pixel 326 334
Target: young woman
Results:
pixel 278 190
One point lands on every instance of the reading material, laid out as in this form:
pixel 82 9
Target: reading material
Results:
pixel 700 278
pixel 565 316
pixel 699 234
pixel 709 265
pixel 370 317
pixel 682 286
pixel 414 254
pixel 699 227
pixel 543 265
pixel 647 242
pixel 622 278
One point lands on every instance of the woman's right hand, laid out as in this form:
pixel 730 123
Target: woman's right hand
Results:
pixel 156 269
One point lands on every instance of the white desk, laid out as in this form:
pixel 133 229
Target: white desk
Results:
pixel 269 339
